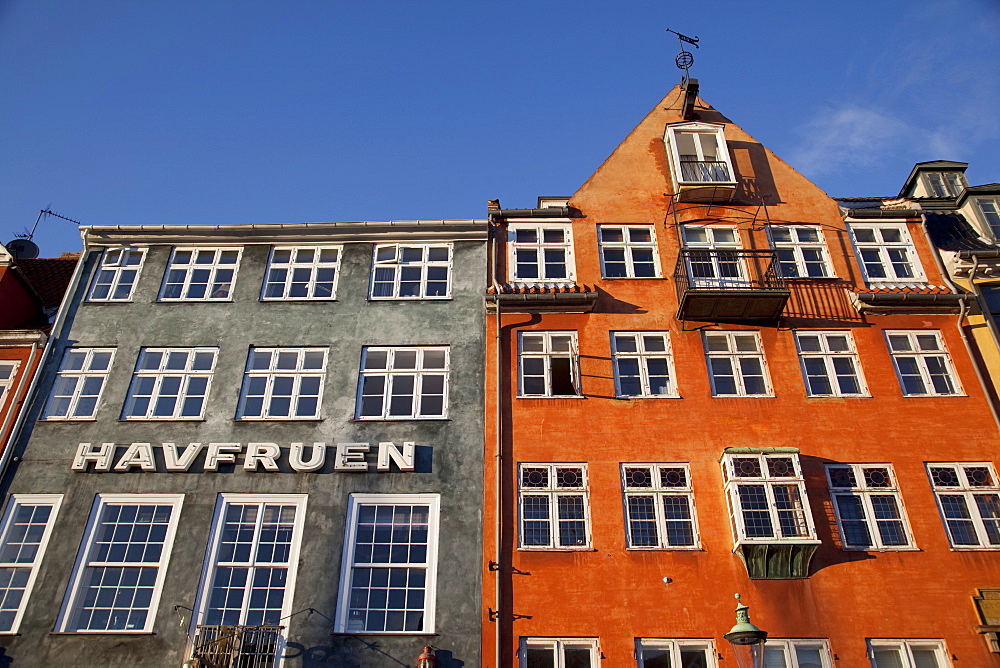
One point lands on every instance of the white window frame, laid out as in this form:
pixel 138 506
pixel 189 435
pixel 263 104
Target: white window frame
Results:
pixel 547 355
pixel 988 209
pixel 212 554
pixel 788 647
pixel 967 489
pixel 7 381
pixel 559 646
pixel 904 250
pixel 214 268
pixel 921 357
pixel 540 247
pixel 735 356
pixel 116 265
pixel 552 491
pixel 827 355
pixel 736 478
pixel 906 648
pixel 298 374
pixel 949 184
pixel 162 374
pixel 293 265
pixel 717 131
pixel 643 356
pixel 81 375
pixel 76 588
pixel 674 648
pixel 393 257
pixel 798 247
pixel 391 375
pixel 867 479
pixel 628 248
pixel 718 269
pixel 429 565
pixel 658 490
pixel 14 503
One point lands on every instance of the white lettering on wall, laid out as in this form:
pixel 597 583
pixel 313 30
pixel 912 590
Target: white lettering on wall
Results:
pixel 101 457
pixel 314 463
pixel 404 459
pixel 138 454
pixel 349 457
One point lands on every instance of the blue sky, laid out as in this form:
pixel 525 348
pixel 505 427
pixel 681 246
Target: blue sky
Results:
pixel 229 112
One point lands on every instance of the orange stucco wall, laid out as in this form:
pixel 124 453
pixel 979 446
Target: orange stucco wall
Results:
pixel 618 595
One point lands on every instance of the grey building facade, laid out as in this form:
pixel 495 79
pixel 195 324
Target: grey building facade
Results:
pixel 253 441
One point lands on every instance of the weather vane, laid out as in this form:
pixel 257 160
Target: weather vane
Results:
pixel 684 59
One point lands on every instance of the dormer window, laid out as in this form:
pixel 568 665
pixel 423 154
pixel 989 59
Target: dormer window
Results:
pixel 989 209
pixel 944 184
pixel 698 154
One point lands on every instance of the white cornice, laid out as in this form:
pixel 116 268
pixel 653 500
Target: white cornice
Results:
pixel 21 337
pixel 393 230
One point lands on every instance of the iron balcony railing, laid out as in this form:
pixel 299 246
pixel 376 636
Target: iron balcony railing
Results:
pixel 735 270
pixel 705 171
pixel 223 646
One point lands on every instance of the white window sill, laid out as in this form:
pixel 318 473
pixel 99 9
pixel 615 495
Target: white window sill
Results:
pixel 102 633
pixel 109 301
pixel 634 278
pixel 228 300
pixel 933 396
pixel 743 396
pixel 297 299
pixel 973 548
pixel 626 397
pixel 67 419
pixel 838 396
pixel 384 633
pixel 409 299
pixel 402 419
pixel 586 548
pixel 906 548
pixel 278 419
pixel 162 419
pixel 695 548
pixel 551 396
pixel 777 541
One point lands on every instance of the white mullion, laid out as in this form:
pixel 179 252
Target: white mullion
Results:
pixel 661 519
pixel 869 512
pixel 554 518
pixel 977 518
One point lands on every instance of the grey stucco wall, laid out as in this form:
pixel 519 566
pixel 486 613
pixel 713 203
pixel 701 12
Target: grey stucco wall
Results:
pixel 449 457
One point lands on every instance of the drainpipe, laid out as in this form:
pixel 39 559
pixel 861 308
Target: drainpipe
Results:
pixel 55 336
pixel 963 311
pixel 498 556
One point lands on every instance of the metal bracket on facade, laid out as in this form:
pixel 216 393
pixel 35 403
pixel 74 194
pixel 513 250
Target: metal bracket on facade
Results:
pixel 495 615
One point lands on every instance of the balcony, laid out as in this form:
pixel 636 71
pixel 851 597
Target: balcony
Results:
pixel 222 646
pixel 729 285
pixel 705 181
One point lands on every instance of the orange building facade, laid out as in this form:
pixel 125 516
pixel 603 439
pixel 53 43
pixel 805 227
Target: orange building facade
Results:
pixel 705 377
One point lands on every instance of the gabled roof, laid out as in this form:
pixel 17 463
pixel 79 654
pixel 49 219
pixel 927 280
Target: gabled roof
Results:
pixel 48 277
pixel 951 232
pixel 931 166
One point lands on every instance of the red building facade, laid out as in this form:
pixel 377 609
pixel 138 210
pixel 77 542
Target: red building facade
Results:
pixel 705 378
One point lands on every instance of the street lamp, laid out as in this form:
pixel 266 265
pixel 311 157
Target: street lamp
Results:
pixel 747 640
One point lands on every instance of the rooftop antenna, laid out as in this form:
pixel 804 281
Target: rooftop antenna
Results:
pixel 684 61
pixel 22 247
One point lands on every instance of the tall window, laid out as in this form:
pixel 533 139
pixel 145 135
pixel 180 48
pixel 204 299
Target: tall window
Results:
pixel 830 364
pixel 415 271
pixel 283 384
pixel 200 274
pixel 699 153
pixel 659 506
pixel 251 559
pixel 801 251
pixel 944 184
pixel 797 654
pixel 628 251
pixel 170 384
pixel 559 653
pixel 79 384
pixel 922 363
pixel 736 364
pixel 553 500
pixel 908 653
pixel 643 364
pixel 886 252
pixel 969 500
pixel 8 371
pixel 387 581
pixel 989 208
pixel 767 498
pixel 663 653
pixel 27 525
pixel 712 257
pixel 869 509
pixel 116 277
pixel 303 272
pixel 122 562
pixel 548 362
pixel 540 252
pixel 403 383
